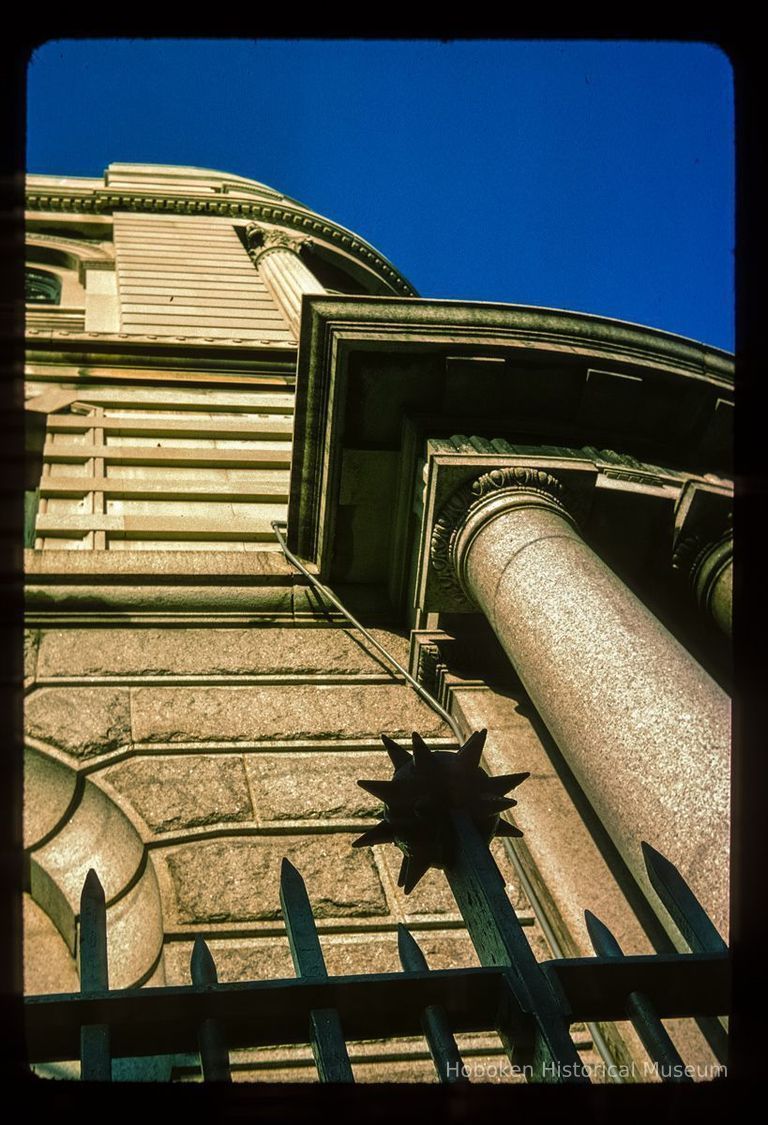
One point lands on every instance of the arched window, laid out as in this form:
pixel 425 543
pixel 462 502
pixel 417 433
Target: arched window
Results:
pixel 42 287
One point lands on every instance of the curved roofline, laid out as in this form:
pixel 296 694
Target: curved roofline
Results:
pixel 151 188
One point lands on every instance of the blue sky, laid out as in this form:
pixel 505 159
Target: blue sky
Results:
pixel 595 176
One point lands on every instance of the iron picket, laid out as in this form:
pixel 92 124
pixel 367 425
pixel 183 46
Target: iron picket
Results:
pixel 214 1055
pixel 326 1035
pixel 437 1029
pixel 694 924
pixel 532 1024
pixel 688 914
pixel 653 1035
pixel 95 1055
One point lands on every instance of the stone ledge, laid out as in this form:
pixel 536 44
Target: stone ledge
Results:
pixel 347 955
pixel 50 566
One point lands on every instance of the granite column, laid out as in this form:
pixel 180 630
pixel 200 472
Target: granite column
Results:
pixel 645 730
pixel 276 255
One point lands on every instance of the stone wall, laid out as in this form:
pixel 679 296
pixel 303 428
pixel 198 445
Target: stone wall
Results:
pixel 192 760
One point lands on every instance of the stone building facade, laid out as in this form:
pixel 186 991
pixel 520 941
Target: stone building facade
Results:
pixel 529 508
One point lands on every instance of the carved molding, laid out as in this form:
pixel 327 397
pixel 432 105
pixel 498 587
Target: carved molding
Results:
pixel 617 466
pixel 687 555
pixel 105 203
pixel 467 499
pixel 78 247
pixel 429 661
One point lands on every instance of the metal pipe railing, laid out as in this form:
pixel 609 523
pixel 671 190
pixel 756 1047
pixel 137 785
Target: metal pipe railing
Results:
pixel 277 526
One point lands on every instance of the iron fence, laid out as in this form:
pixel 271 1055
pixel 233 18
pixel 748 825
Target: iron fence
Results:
pixel 438 818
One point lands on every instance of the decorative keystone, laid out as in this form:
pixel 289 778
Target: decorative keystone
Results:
pixel 425 789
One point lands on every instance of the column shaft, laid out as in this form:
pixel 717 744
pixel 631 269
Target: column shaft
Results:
pixel 276 256
pixel 644 728
pixel 713 583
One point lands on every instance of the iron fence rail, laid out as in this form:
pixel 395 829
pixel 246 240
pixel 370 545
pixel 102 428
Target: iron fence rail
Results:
pixel 530 1004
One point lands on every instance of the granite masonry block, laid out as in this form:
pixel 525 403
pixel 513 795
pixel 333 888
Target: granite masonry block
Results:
pixel 431 895
pixel 48 964
pixel 240 959
pixel 351 956
pixel 283 711
pixel 186 652
pixel 254 959
pixel 82 721
pixel 31 640
pixel 185 791
pixel 238 880
pixel 49 787
pixel 313 785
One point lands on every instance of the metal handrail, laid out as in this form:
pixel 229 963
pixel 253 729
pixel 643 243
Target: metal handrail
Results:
pixel 324 592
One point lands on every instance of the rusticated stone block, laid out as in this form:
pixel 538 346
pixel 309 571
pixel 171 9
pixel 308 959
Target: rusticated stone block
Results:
pixel 432 894
pixel 257 959
pixel 347 956
pixel 447 951
pixel 284 711
pixel 186 652
pixel 183 792
pixel 83 721
pixel 31 638
pixel 238 880
pixel 312 785
pixel 270 958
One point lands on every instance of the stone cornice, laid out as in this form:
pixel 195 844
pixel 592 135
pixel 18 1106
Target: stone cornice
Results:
pixel 610 463
pixel 340 336
pixel 106 202
pixel 434 322
pixel 521 484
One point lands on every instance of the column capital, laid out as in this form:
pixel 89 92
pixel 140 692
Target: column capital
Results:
pixel 472 505
pixel 262 239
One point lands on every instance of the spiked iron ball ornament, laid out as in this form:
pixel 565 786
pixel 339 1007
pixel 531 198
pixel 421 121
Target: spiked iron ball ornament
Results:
pixel 425 789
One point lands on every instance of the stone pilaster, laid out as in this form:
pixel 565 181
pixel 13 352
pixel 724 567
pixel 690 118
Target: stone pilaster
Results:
pixel 644 728
pixel 276 255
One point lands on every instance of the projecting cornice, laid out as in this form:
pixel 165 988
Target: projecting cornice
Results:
pixel 435 322
pixel 89 202
pixel 541 377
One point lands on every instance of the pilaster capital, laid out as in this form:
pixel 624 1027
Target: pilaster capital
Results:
pixel 475 503
pixel 262 239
